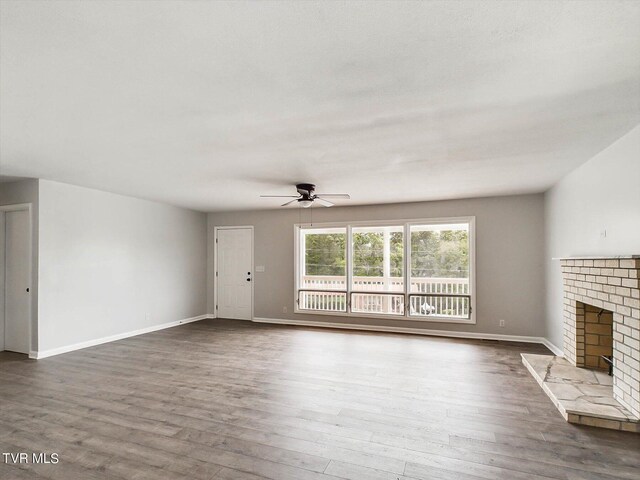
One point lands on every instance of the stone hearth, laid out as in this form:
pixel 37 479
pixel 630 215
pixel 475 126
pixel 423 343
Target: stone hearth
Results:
pixel 581 395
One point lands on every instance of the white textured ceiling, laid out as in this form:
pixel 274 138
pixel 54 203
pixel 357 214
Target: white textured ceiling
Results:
pixel 209 104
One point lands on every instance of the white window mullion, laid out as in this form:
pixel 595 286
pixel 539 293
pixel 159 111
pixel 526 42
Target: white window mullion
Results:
pixel 301 258
pixel 407 269
pixel 349 256
pixel 299 247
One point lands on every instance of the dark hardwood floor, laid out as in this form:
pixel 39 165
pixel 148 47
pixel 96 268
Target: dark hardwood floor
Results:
pixel 236 400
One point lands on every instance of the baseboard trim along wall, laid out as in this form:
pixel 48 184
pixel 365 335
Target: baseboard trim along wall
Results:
pixel 303 323
pixel 415 331
pixel 113 338
pixel 555 349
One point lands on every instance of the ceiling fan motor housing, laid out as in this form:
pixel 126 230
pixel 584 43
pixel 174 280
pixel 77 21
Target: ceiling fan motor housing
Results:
pixel 306 189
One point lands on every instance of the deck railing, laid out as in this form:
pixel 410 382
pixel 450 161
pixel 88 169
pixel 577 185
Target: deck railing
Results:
pixel 428 296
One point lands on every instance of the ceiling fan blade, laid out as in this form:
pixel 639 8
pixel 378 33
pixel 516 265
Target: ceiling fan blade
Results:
pixel 324 202
pixel 285 204
pixel 280 196
pixel 334 195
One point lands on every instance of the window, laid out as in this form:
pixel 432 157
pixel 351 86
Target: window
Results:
pixel 323 268
pixel 440 271
pixel 377 266
pixel 422 270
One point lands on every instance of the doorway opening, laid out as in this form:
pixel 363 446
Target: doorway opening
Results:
pixel 15 278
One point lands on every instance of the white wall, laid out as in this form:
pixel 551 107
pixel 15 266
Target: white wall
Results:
pixel 23 191
pixel 110 264
pixel 602 194
pixel 509 268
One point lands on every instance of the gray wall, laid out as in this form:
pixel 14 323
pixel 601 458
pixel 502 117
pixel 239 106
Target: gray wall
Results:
pixel 602 194
pixel 111 264
pixel 23 191
pixel 509 267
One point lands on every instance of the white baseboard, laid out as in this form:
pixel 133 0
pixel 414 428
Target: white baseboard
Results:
pixel 414 331
pixel 113 338
pixel 304 323
pixel 555 349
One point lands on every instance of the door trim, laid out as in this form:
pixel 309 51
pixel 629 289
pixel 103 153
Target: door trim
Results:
pixel 3 252
pixel 215 265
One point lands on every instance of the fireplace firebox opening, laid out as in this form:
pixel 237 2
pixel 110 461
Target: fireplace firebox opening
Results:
pixel 594 332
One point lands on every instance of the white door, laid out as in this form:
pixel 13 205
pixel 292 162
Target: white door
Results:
pixel 17 281
pixel 235 273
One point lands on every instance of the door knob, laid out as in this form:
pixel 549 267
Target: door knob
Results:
pixel 248 279
pixel 27 290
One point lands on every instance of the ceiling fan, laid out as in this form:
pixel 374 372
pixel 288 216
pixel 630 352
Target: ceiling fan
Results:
pixel 306 196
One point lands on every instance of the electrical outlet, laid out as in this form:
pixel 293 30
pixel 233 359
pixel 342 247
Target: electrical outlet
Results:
pixel 284 309
pixel 502 323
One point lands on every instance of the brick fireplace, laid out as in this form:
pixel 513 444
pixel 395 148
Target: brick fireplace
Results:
pixel 608 287
pixel 601 322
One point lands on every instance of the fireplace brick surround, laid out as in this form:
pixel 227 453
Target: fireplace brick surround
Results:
pixel 606 284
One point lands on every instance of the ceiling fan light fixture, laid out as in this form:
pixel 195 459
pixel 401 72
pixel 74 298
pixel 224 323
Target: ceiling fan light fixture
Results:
pixel 305 203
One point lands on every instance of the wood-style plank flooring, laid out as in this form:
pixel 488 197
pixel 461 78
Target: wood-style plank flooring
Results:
pixel 242 401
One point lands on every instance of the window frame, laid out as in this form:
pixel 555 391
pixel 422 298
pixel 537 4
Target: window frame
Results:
pixel 406 225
